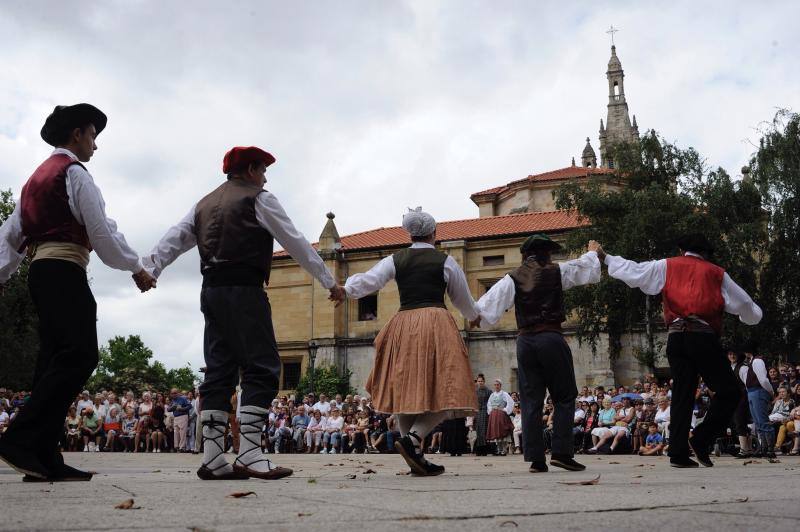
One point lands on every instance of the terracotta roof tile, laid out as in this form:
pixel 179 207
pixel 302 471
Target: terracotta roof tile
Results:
pixel 570 172
pixel 470 229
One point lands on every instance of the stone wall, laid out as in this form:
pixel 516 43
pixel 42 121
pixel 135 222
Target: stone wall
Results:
pixel 494 355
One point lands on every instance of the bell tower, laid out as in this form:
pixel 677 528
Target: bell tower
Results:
pixel 618 127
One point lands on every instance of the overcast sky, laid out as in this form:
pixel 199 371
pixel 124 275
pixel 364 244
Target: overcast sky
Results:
pixel 370 107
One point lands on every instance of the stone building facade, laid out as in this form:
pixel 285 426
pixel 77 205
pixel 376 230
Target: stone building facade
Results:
pixel 486 247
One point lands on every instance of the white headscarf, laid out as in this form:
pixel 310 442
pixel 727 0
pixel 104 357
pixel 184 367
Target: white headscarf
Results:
pixel 418 223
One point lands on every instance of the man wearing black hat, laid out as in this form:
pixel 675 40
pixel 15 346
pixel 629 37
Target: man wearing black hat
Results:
pixel 59 220
pixel 695 293
pixel 234 228
pixel 544 360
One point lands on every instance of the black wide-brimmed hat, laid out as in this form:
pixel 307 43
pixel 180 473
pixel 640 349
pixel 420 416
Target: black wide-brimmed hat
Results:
pixel 696 243
pixel 65 118
pixel 539 241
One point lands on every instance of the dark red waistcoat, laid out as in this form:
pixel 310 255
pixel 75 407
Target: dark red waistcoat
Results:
pixel 693 288
pixel 46 216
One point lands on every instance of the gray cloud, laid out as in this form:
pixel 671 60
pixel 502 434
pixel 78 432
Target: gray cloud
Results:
pixel 427 100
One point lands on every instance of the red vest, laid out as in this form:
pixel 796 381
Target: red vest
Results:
pixel 693 288
pixel 46 216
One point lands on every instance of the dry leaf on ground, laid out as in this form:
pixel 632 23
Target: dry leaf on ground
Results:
pixel 592 482
pixel 240 494
pixel 301 514
pixel 351 477
pixel 743 499
pixel 368 471
pixel 637 476
pixel 509 523
pixel 773 461
pixel 751 462
pixel 614 463
pixel 127 504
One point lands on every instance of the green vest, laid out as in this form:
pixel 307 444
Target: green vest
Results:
pixel 419 274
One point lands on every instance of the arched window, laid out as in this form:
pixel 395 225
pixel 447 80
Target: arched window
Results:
pixel 616 90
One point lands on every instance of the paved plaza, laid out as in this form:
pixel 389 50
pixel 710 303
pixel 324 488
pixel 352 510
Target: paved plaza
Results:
pixel 370 492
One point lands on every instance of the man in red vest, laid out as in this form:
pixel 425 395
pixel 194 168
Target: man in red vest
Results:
pixel 59 219
pixel 695 294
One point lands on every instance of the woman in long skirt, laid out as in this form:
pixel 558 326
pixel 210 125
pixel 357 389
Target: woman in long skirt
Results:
pixel 422 372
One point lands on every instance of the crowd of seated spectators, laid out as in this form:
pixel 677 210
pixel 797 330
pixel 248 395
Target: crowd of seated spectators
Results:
pixel 623 419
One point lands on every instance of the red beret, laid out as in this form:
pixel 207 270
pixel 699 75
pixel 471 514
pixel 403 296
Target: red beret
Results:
pixel 241 157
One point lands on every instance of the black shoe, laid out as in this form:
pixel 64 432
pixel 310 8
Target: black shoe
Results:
pixel 566 462
pixel 743 454
pixel 406 448
pixel 684 462
pixel 700 452
pixel 62 473
pixel 22 461
pixel 538 467
pixel 432 470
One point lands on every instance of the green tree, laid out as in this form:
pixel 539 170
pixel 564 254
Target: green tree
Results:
pixel 125 364
pixel 19 339
pixel 664 191
pixel 776 173
pixel 327 379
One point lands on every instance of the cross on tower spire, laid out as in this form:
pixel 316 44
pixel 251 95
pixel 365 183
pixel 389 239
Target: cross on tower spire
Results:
pixel 612 30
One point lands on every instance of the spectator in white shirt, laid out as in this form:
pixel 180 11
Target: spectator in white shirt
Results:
pixel 333 431
pixel 662 416
pixel 314 432
pixel 323 405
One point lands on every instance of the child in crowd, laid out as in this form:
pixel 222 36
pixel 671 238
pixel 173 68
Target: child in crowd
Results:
pixel 654 443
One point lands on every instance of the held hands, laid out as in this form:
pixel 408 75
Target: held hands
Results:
pixel 144 281
pixel 595 246
pixel 338 294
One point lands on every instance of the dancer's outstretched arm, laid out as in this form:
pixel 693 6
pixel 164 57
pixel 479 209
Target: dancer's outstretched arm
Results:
pixel 12 251
pixel 649 277
pixel 369 282
pixel 576 272
pixel 178 239
pixel 458 290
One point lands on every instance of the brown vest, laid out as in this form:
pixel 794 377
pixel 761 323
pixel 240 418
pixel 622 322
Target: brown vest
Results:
pixel 752 379
pixel 419 274
pixel 539 298
pixel 234 249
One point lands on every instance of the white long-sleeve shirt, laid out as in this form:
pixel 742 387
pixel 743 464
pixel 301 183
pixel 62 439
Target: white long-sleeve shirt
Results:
pixel 500 297
pixel 760 369
pixel 499 397
pixel 88 207
pixel 270 215
pixel 364 284
pixel 650 277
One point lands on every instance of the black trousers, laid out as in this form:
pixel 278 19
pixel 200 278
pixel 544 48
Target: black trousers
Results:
pixel 544 362
pixel 238 338
pixel 67 355
pixel 692 355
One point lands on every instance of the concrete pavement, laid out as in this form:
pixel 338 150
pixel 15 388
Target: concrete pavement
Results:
pixel 368 492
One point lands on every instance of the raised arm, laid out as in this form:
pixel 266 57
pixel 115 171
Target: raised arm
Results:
pixel 176 241
pixel 364 284
pixel 273 218
pixel 583 270
pixel 649 277
pixel 11 240
pixel 738 302
pixel 458 290
pixel 496 301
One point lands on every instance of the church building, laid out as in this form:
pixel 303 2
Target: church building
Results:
pixel 310 330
